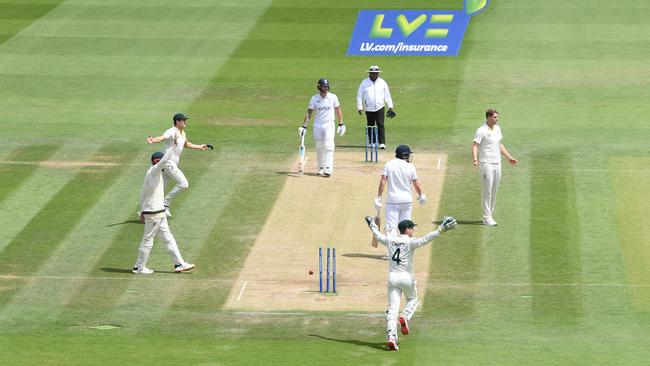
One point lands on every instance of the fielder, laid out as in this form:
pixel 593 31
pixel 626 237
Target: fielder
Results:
pixel 325 104
pixel 486 154
pixel 175 136
pixel 398 175
pixel 372 96
pixel 155 220
pixel 401 278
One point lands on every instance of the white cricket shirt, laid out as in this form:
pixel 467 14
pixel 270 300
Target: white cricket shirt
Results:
pixel 179 136
pixel 401 175
pixel 152 196
pixel 489 142
pixel 372 96
pixel 323 108
pixel 401 249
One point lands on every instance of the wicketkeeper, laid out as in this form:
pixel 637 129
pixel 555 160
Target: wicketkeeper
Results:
pixel 401 278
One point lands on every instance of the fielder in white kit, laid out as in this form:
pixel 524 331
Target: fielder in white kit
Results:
pixel 326 105
pixel 401 278
pixel 175 136
pixel 398 175
pixel 486 154
pixel 155 220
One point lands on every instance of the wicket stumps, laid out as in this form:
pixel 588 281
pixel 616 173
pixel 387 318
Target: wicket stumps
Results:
pixel 331 269
pixel 372 143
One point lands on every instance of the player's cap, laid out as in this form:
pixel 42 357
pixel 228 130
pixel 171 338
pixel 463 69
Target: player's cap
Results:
pixel 406 224
pixel 178 116
pixel 374 68
pixel 157 155
pixel 403 152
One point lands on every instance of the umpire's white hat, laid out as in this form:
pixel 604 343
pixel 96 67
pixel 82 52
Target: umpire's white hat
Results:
pixel 374 68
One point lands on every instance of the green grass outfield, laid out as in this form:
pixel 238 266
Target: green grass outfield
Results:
pixel 563 279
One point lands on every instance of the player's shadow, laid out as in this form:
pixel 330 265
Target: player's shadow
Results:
pixel 463 222
pixel 296 174
pixel 364 255
pixel 124 222
pixel 376 345
pixel 125 270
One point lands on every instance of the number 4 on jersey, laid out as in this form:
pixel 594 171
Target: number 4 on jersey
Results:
pixel 396 256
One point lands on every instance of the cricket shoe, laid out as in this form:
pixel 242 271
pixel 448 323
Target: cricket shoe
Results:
pixel 327 172
pixel 489 222
pixel 382 146
pixel 321 172
pixel 184 267
pixel 405 324
pixel 168 212
pixel 143 270
pixel 392 344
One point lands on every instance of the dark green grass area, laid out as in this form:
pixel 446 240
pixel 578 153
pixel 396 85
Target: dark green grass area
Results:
pixel 553 284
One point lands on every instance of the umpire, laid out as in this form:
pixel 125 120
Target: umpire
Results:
pixel 372 96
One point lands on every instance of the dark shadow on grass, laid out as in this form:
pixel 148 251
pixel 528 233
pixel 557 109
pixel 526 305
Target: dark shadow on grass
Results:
pixel 463 222
pixel 363 255
pixel 295 174
pixel 125 270
pixel 376 345
pixel 124 222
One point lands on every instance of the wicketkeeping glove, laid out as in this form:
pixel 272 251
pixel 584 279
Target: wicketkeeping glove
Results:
pixel 341 129
pixel 302 130
pixel 447 223
pixel 370 220
pixel 390 113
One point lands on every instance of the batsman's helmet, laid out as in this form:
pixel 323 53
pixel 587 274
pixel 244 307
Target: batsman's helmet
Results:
pixel 403 152
pixel 157 155
pixel 321 83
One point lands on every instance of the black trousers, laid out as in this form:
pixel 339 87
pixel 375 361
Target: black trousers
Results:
pixel 377 119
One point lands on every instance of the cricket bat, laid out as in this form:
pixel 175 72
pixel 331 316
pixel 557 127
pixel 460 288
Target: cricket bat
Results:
pixel 302 159
pixel 374 241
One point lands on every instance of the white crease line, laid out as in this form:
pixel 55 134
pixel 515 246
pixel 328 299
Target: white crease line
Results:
pixel 439 162
pixel 242 290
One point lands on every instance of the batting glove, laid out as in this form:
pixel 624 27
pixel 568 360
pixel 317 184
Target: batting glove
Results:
pixel 370 220
pixel 390 113
pixel 302 130
pixel 377 203
pixel 341 129
pixel 422 199
pixel 447 223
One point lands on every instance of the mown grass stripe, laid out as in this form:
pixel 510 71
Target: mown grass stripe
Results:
pixel 78 253
pixel 15 175
pixel 34 244
pixel 554 239
pixel 18 16
pixel 632 190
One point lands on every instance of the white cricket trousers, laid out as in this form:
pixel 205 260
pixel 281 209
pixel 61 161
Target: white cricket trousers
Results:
pixel 324 141
pixel 490 175
pixel 396 212
pixel 398 283
pixel 172 173
pixel 153 227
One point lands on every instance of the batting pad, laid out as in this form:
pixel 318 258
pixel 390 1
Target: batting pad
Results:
pixel 313 212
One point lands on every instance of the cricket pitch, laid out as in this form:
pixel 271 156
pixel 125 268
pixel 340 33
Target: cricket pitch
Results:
pixel 313 212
